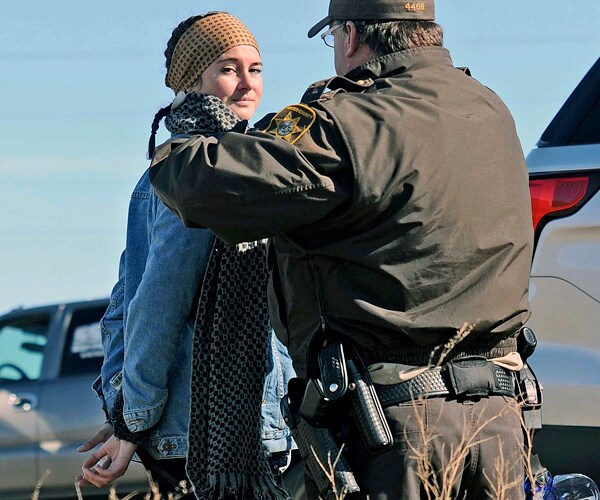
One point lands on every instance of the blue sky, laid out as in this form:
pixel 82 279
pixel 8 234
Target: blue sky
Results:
pixel 81 81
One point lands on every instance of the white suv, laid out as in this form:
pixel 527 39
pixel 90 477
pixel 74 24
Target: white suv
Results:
pixel 564 172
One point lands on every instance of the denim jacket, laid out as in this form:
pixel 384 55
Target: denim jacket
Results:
pixel 147 330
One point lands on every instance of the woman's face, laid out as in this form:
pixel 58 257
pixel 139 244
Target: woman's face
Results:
pixel 236 78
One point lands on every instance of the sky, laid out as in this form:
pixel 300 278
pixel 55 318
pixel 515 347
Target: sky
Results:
pixel 80 83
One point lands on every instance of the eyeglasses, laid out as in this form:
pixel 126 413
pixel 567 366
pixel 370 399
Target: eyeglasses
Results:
pixel 328 38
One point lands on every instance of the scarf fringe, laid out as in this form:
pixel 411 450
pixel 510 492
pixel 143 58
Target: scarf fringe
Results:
pixel 230 486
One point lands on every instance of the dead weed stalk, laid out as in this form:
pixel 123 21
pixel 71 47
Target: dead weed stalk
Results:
pixel 329 471
pixel 441 485
pixel 153 492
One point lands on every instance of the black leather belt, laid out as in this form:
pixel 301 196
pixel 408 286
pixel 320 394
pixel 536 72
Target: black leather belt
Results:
pixel 439 382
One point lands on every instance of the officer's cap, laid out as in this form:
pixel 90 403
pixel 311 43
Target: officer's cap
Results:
pixel 375 10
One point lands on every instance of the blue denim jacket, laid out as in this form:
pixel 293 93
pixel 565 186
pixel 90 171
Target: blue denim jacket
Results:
pixel 148 327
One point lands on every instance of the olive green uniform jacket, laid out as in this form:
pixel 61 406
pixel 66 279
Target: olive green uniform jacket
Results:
pixel 398 212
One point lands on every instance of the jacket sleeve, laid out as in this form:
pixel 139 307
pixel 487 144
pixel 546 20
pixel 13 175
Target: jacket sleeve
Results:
pixel 112 328
pixel 158 315
pixel 250 186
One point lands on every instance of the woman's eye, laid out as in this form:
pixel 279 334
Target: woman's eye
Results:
pixel 256 71
pixel 228 70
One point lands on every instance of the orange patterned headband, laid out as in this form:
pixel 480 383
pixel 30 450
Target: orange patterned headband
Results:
pixel 202 44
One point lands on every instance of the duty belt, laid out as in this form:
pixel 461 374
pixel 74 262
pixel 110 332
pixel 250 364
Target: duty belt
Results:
pixel 469 377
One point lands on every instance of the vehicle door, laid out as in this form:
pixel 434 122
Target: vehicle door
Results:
pixel 71 412
pixel 22 347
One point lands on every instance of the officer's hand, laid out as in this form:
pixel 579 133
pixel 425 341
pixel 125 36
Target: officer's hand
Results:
pixel 110 462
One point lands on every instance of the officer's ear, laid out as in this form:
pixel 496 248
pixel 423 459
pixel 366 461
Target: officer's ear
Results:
pixel 351 40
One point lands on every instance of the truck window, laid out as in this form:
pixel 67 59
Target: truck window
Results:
pixel 83 349
pixel 22 343
pixel 589 130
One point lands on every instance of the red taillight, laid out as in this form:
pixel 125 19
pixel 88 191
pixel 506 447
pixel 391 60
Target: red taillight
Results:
pixel 555 195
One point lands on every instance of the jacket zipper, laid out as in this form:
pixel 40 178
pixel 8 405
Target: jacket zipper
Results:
pixel 319 296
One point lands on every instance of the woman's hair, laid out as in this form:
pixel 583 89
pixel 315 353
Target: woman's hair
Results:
pixel 176 35
pixel 195 44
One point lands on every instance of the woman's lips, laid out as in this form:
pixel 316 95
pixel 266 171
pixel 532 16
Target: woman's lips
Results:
pixel 244 100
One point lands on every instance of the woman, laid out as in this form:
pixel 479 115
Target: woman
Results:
pixel 214 67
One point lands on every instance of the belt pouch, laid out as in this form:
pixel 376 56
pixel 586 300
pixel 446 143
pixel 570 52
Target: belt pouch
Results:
pixel 367 410
pixel 471 376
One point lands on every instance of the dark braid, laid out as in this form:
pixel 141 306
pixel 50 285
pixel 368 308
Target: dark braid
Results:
pixel 162 112
pixel 178 32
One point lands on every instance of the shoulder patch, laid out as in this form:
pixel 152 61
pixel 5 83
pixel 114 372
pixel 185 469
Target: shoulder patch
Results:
pixel 291 123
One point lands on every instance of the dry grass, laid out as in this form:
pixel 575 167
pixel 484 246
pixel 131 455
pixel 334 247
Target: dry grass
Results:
pixel 329 471
pixel 445 349
pixel 152 493
pixel 440 485
pixel 437 485
pixel 38 486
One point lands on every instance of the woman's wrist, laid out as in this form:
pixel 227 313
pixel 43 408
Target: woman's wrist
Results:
pixel 121 431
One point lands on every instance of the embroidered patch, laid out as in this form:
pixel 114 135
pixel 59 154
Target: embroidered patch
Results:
pixel 291 123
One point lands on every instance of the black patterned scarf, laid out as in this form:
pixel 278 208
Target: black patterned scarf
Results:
pixel 226 459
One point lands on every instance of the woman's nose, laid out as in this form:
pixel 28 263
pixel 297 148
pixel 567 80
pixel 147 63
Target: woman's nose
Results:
pixel 245 81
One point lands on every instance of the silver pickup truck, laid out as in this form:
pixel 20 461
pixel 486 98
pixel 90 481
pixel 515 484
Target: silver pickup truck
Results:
pixel 49 357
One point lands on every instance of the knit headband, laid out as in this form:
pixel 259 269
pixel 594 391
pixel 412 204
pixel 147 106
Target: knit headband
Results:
pixel 202 44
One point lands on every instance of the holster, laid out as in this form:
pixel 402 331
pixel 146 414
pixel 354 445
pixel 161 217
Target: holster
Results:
pixel 529 391
pixel 531 398
pixel 323 397
pixel 327 396
pixel 317 446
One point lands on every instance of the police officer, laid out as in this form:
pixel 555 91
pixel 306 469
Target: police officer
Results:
pixel 397 200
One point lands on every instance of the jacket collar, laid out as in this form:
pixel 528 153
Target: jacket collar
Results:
pixel 400 62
